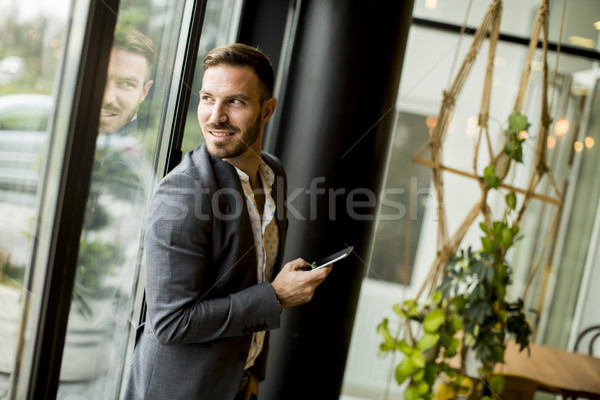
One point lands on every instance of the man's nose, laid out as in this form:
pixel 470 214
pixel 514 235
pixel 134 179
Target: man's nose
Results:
pixel 218 114
pixel 109 93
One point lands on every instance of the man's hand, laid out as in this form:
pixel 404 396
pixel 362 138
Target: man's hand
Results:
pixel 294 285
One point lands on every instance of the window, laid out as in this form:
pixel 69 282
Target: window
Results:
pixel 30 53
pixel 39 51
pixel 563 294
pixel 221 24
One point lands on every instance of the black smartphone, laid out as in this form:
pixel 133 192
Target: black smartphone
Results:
pixel 332 258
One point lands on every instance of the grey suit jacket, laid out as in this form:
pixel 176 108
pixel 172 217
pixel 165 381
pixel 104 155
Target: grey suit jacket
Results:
pixel 203 298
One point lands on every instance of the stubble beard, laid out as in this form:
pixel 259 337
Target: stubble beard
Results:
pixel 223 150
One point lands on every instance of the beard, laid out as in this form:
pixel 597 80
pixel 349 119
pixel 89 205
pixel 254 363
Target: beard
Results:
pixel 118 121
pixel 236 149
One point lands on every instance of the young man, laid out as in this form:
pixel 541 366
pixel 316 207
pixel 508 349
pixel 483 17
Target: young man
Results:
pixel 128 81
pixel 214 241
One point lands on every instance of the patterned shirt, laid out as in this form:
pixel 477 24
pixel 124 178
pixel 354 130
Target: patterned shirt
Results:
pixel 266 238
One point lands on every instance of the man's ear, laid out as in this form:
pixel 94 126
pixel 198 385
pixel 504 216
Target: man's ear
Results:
pixel 147 87
pixel 268 108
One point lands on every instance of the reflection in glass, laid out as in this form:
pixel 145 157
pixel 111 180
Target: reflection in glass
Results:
pixel 106 284
pixel 105 304
pixel 29 56
pixel 404 199
pixel 220 28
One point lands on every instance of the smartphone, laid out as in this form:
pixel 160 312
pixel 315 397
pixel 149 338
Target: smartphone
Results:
pixel 332 258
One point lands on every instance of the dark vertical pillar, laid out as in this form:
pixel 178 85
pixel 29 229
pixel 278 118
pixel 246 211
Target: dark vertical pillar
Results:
pixel 263 25
pixel 333 129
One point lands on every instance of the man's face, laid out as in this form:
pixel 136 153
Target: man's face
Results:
pixel 230 112
pixel 126 87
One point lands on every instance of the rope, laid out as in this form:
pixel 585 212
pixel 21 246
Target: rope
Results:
pixel 448 244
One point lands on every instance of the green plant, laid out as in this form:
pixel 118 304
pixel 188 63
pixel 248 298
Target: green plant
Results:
pixel 469 310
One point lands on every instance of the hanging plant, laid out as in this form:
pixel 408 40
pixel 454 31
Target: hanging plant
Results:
pixel 468 312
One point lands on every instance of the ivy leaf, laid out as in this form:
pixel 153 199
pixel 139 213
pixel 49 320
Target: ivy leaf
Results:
pixel 483 227
pixel 489 274
pixel 384 332
pixel 456 323
pixel 507 237
pixel 517 122
pixel 487 244
pixel 479 311
pixel 405 347
pixel 404 370
pixel 417 359
pixel 490 177
pixel 419 375
pixel 422 388
pixel 427 341
pixel 434 320
pixel 399 311
pixel 511 200
pixel 411 393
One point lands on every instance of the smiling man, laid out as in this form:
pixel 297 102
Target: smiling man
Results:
pixel 128 81
pixel 214 247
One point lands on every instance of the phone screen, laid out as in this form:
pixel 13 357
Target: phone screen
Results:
pixel 332 258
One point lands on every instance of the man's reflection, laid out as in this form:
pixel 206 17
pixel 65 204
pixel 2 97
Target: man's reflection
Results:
pixel 109 248
pixel 128 80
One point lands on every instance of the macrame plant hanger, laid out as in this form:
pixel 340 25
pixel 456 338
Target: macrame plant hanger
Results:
pixel 447 245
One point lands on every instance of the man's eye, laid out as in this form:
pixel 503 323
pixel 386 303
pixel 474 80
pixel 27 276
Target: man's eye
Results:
pixel 237 102
pixel 126 84
pixel 206 99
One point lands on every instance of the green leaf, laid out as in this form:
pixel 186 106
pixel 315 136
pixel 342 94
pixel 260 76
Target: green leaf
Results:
pixel 483 227
pixel 486 244
pixel 399 311
pixel 419 375
pixel 410 307
pixel 490 177
pixel 507 237
pixel 517 122
pixel 405 347
pixel 417 359
pixel 489 274
pixel 422 388
pixel 456 323
pixel 497 384
pixel 434 320
pixel 515 230
pixel 511 200
pixel 404 370
pixel 411 393
pixel 501 274
pixel 384 332
pixel 479 311
pixel 427 341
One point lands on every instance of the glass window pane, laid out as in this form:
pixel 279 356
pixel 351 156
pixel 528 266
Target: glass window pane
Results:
pixel 220 27
pixel 31 37
pixel 103 309
pixel 429 67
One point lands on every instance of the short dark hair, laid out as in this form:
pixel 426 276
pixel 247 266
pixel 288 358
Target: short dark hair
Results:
pixel 242 55
pixel 131 40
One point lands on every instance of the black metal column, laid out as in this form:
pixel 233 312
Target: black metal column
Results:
pixel 333 128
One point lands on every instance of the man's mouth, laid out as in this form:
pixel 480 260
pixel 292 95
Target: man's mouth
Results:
pixel 221 134
pixel 107 113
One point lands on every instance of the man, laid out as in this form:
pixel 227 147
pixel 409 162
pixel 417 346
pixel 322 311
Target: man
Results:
pixel 110 241
pixel 128 81
pixel 214 241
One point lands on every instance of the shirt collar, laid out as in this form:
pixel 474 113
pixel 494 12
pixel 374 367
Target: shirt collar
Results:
pixel 266 174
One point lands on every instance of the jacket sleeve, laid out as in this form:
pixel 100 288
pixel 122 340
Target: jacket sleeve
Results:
pixel 178 242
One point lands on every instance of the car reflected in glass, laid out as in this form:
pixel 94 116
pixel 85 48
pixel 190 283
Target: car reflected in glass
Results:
pixel 23 135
